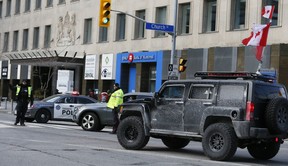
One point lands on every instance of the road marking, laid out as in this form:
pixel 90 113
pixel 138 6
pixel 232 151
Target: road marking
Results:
pixel 10 124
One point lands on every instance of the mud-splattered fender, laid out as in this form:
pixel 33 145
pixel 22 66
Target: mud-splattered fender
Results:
pixel 137 109
pixel 220 114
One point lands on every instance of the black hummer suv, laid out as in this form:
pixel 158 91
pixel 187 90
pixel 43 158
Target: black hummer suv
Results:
pixel 222 110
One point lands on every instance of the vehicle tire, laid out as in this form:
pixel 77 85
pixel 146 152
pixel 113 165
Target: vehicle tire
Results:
pixel 131 134
pixel 29 119
pixel 175 143
pixel 42 116
pixel 264 150
pixel 90 122
pixel 219 142
pixel 276 116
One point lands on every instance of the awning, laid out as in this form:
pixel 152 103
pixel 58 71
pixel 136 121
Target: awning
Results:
pixel 45 58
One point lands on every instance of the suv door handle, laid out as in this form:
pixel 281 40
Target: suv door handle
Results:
pixel 207 103
pixel 179 102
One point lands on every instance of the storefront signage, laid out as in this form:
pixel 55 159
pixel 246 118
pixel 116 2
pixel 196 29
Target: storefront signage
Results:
pixel 130 57
pixel 139 58
pixel 90 67
pixel 107 66
pixel 65 81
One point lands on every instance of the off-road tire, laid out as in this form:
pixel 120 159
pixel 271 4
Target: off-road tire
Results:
pixel 264 150
pixel 42 116
pixel 131 134
pixel 276 116
pixel 175 143
pixel 90 122
pixel 219 142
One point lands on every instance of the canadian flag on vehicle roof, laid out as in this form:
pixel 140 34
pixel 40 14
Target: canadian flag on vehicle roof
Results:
pixel 267 11
pixel 258 36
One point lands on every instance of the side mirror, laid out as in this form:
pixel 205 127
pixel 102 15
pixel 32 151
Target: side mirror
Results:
pixel 156 94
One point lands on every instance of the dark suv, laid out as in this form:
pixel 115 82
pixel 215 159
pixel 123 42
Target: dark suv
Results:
pixel 222 110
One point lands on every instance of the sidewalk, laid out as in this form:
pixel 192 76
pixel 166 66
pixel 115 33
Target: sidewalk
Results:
pixel 6 106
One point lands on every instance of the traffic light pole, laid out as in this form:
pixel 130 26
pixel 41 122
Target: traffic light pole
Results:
pixel 140 19
pixel 174 33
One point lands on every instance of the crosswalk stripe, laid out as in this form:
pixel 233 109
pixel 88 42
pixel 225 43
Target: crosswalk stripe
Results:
pixel 10 124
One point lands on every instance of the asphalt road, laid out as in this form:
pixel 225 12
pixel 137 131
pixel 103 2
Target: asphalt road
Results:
pixel 65 143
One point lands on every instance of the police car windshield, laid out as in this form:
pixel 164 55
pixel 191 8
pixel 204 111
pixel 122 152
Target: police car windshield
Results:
pixel 51 98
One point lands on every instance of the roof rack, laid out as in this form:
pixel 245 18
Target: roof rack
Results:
pixel 233 75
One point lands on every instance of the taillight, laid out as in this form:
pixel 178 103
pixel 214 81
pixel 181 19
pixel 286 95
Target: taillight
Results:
pixel 249 110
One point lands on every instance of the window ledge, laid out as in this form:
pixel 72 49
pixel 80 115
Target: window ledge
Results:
pixel 143 38
pixel 184 34
pixel 121 40
pixel 100 42
pixel 209 32
pixel 87 43
pixel 155 37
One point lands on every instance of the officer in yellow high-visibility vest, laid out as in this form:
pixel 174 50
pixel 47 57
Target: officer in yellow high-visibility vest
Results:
pixel 115 100
pixel 23 96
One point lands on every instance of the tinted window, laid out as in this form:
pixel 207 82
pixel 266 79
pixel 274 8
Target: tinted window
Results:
pixel 232 95
pixel 51 98
pixel 172 92
pixel 201 92
pixel 84 100
pixel 231 92
pixel 67 99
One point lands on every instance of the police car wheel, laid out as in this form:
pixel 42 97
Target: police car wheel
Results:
pixel 90 122
pixel 42 116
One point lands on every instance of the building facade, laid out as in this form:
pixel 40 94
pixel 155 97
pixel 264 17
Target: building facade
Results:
pixel 54 35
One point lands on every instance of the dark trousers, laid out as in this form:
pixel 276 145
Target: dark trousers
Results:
pixel 115 119
pixel 21 111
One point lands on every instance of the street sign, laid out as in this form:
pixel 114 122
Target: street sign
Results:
pixel 160 27
pixel 173 74
pixel 170 67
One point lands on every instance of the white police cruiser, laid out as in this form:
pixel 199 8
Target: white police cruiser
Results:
pixel 56 107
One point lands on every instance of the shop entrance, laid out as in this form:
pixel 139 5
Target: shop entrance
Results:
pixel 138 77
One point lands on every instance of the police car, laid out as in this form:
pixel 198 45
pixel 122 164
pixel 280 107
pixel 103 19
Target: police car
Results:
pixel 94 117
pixel 56 107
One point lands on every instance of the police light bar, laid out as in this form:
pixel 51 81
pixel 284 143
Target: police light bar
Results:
pixel 75 93
pixel 225 75
pixel 233 75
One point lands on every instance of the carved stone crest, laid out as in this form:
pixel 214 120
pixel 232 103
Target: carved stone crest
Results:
pixel 66 30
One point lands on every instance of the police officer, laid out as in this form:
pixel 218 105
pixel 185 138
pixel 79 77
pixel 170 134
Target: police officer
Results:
pixel 23 97
pixel 115 100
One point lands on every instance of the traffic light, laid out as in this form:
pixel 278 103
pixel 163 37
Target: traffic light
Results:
pixel 104 14
pixel 182 67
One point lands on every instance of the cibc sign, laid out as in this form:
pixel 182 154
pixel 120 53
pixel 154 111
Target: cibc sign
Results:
pixel 138 57
pixel 130 57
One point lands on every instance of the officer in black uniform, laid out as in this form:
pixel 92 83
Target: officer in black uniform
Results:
pixel 23 97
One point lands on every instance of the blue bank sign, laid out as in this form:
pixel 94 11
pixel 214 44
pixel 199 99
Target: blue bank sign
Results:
pixel 160 27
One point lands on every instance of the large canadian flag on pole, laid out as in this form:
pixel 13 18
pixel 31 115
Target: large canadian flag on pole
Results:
pixel 258 38
pixel 267 11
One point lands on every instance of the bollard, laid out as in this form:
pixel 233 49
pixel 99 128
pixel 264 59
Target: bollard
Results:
pixel 12 106
pixel 5 102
